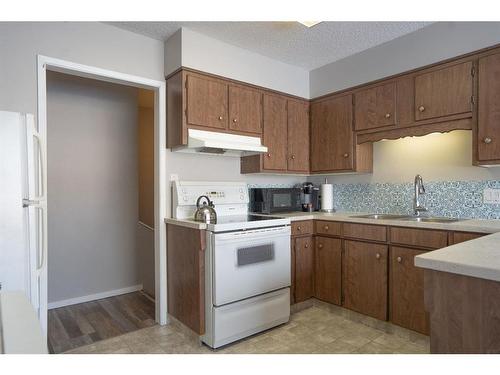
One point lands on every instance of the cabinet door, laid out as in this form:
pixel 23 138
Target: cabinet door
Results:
pixel 444 92
pixel 298 136
pixel 366 278
pixel 488 137
pixel 407 290
pixel 206 102
pixel 304 267
pixel 328 269
pixel 331 135
pixel 274 136
pixel 292 275
pixel 245 110
pixel 375 107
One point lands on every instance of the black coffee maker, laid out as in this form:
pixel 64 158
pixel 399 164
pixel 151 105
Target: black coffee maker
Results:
pixel 310 197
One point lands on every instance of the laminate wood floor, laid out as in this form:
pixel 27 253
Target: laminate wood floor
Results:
pixel 86 323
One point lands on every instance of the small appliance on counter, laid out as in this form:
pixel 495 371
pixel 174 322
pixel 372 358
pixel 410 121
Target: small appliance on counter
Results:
pixel 310 197
pixel 270 200
pixel 205 213
pixel 327 197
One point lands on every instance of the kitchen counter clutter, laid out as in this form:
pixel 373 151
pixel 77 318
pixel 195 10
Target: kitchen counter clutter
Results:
pixel 468 225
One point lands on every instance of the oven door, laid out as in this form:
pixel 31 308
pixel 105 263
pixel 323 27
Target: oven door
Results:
pixel 249 263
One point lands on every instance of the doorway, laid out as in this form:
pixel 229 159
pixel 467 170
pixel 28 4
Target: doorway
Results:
pixel 156 285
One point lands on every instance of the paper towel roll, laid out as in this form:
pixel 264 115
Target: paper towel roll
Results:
pixel 327 197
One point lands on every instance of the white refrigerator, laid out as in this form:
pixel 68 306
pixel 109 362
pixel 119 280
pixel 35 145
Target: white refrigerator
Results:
pixel 23 210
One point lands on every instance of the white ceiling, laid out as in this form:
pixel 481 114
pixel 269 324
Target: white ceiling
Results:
pixel 289 42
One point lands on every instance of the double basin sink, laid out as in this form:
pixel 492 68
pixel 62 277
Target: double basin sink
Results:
pixel 424 219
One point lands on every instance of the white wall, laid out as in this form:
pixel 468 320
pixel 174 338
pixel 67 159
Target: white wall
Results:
pixel 92 187
pixel 201 52
pixel 431 44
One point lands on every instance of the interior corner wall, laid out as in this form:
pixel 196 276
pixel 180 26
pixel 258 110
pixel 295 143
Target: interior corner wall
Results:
pixel 434 43
pixel 210 55
pixel 92 187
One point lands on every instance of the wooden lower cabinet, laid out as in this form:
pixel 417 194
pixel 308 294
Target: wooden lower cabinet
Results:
pixel 304 268
pixel 365 278
pixel 328 269
pixel 407 290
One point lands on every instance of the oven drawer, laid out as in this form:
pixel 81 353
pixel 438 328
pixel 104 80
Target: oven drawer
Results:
pixel 249 263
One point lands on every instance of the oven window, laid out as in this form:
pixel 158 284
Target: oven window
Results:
pixel 282 200
pixel 255 254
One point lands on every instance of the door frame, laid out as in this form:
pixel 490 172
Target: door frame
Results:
pixel 45 63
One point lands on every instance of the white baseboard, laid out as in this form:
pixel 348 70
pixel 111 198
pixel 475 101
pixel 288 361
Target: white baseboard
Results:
pixel 93 297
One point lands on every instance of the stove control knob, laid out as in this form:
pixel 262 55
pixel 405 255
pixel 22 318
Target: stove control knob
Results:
pixel 185 199
pixel 242 197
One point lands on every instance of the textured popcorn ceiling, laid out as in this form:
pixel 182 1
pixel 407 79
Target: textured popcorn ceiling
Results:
pixel 289 42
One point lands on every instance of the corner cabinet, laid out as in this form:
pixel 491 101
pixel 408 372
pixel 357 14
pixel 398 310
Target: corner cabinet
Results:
pixel 333 142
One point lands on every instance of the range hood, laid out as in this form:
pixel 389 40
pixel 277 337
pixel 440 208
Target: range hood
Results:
pixel 205 142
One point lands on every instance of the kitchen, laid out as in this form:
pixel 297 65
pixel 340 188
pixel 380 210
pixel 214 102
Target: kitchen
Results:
pixel 354 186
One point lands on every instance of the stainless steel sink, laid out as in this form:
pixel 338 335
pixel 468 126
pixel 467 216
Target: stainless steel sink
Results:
pixel 423 219
pixel 432 219
pixel 381 216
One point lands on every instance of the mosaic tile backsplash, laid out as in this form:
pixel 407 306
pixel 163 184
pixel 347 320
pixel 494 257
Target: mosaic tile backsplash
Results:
pixel 459 199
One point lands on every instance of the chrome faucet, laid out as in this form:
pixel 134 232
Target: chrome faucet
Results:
pixel 419 190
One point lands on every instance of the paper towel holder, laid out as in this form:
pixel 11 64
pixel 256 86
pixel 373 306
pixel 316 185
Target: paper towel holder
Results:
pixel 327 188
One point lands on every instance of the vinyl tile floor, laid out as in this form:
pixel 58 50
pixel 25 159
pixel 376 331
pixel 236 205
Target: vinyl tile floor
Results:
pixel 319 329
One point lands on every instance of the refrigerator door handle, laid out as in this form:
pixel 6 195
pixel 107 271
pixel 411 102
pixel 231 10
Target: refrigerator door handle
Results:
pixel 33 133
pixel 42 231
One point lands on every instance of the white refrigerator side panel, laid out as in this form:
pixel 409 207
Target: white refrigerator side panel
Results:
pixel 14 264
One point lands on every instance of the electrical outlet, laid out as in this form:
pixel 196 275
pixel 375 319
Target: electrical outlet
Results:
pixel 491 196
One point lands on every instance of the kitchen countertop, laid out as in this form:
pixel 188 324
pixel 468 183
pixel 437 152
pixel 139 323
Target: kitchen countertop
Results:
pixel 476 258
pixel 472 225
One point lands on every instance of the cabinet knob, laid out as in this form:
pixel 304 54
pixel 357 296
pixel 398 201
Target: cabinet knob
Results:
pixel 399 259
pixel 306 245
pixel 293 156
pixel 346 155
pixel 268 154
pixel 320 245
pixel 387 115
pixel 377 256
pixel 326 227
pixel 487 140
pixel 421 108
pixel 298 228
pixel 235 120
pixel 220 117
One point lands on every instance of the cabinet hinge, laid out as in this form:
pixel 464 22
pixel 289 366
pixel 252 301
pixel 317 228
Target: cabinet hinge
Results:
pixel 473 71
pixel 472 100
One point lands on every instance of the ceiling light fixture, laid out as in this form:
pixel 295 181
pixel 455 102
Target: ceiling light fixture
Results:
pixel 309 23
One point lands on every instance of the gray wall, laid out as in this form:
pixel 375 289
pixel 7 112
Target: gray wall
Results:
pixel 92 186
pixel 431 44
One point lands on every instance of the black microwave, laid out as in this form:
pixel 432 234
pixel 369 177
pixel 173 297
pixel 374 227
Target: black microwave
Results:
pixel 270 200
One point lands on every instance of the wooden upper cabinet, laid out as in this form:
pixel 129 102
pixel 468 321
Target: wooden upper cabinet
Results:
pixel 407 290
pixel 332 138
pixel 245 109
pixel 375 107
pixel 207 102
pixel 365 279
pixel 275 130
pixel 328 269
pixel 444 92
pixel 488 126
pixel 298 136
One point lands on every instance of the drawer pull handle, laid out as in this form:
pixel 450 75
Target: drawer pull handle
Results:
pixel 320 245
pixel 487 140
pixel 306 245
pixel 377 256
pixel 399 259
pixel 387 115
pixel 220 118
pixel 293 156
pixel 346 155
pixel 421 108
pixel 326 227
pixel 298 228
pixel 234 120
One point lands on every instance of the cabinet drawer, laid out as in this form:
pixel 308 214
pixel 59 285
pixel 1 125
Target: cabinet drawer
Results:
pixel 302 227
pixel 433 239
pixel 365 232
pixel 327 227
pixel 458 237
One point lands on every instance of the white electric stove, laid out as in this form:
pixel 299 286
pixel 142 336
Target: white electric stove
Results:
pixel 247 262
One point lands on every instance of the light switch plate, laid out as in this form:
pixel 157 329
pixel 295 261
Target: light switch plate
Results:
pixel 491 196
